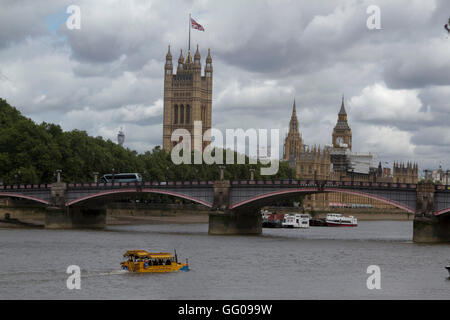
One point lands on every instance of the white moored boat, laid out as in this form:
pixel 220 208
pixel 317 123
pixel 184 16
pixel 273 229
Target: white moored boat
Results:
pixel 338 220
pixel 296 220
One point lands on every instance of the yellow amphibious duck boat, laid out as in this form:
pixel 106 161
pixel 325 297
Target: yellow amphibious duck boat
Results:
pixel 143 261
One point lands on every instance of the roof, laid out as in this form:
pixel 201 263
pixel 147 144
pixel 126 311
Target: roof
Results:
pixel 143 254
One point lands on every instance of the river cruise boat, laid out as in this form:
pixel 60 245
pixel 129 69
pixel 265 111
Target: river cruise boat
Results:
pixel 338 220
pixel 143 261
pixel 296 220
pixel 272 220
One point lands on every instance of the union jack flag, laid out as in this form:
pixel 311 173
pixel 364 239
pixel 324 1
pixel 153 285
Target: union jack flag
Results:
pixel 196 25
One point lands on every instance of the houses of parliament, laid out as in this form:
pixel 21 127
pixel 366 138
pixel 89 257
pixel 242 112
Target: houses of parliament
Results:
pixel 188 98
pixel 337 162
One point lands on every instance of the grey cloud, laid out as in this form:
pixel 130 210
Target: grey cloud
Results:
pixel 275 50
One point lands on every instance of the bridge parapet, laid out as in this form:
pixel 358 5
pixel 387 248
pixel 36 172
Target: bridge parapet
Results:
pixel 324 183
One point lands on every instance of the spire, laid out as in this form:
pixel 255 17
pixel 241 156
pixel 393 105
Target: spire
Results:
pixel 197 54
pixel 189 57
pixel 168 55
pixel 342 111
pixel 293 124
pixel 181 58
pixel 208 58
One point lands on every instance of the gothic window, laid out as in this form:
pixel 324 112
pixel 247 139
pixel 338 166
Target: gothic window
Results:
pixel 203 114
pixel 175 114
pixel 188 114
pixel 309 169
pixel 181 114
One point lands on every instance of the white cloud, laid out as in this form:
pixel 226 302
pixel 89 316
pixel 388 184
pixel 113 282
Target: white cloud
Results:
pixel 379 103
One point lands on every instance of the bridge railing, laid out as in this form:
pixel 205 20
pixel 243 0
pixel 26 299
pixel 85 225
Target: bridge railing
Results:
pixel 142 184
pixel 5 188
pixel 325 183
pixel 268 182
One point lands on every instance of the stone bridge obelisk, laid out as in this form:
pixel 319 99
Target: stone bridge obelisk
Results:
pixel 429 228
pixel 59 216
pixel 237 221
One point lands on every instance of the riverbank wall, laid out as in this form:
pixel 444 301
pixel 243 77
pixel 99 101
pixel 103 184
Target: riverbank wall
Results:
pixel 154 213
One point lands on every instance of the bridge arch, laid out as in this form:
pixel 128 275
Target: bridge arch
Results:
pixel 311 190
pixel 104 193
pixel 442 211
pixel 22 196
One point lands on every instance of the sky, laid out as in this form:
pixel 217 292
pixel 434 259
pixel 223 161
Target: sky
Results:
pixel 108 74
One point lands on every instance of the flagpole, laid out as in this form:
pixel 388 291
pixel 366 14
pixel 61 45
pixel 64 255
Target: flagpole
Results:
pixel 189 47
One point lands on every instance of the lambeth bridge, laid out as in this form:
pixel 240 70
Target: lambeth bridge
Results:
pixel 234 205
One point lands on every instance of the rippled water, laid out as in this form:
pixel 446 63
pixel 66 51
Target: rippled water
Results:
pixel 314 263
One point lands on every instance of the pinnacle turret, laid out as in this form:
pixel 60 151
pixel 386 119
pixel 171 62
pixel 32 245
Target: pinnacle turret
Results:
pixel 342 111
pixel 208 58
pixel 168 55
pixel 181 58
pixel 197 54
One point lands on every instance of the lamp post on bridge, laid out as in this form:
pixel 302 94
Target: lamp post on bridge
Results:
pixel 252 174
pixel 58 175
pixel 113 176
pixel 95 176
pixel 196 174
pixel 222 168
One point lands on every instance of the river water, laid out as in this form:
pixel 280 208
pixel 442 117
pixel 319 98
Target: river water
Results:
pixel 314 263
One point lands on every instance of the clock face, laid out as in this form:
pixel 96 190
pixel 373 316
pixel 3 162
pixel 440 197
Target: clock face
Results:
pixel 339 140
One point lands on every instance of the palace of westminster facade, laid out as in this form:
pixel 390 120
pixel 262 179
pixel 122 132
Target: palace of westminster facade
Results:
pixel 337 162
pixel 188 98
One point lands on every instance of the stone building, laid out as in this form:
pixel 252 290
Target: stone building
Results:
pixel 408 173
pixel 337 162
pixel 187 96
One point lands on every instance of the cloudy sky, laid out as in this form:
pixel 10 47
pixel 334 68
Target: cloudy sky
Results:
pixel 109 73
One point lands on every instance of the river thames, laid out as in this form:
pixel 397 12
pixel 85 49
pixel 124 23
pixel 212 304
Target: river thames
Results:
pixel 314 263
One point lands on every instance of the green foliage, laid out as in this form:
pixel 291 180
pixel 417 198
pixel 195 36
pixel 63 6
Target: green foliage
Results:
pixel 31 153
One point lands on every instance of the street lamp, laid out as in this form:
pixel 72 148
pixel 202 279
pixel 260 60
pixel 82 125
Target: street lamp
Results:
pixel 95 176
pixel 252 174
pixel 221 172
pixel 58 175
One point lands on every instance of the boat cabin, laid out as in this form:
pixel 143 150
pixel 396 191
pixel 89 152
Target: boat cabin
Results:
pixel 151 259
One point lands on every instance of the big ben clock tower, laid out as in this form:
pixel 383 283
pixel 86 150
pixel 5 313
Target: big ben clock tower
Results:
pixel 342 134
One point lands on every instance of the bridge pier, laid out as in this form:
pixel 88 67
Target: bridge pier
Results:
pixel 229 222
pixel 429 228
pixel 58 216
pixel 75 218
pixel 234 223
